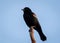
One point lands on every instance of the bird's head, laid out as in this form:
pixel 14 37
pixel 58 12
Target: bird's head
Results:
pixel 27 9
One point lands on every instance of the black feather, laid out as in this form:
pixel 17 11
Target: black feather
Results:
pixel 33 21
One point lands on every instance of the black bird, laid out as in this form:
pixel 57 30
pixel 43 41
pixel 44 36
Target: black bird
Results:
pixel 31 20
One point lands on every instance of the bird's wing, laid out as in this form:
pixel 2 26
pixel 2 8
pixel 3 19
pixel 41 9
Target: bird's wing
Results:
pixel 34 15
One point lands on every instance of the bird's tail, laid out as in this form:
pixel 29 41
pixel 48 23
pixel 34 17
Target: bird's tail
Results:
pixel 42 36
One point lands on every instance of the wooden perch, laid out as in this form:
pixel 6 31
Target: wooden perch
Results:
pixel 31 31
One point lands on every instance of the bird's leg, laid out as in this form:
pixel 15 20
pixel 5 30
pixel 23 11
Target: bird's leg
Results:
pixel 31 31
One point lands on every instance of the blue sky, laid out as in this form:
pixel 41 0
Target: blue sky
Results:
pixel 13 28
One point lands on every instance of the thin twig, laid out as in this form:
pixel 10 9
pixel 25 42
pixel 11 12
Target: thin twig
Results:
pixel 31 31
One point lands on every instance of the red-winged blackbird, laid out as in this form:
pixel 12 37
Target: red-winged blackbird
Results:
pixel 31 20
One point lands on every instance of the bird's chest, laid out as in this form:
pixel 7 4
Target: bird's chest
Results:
pixel 28 18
